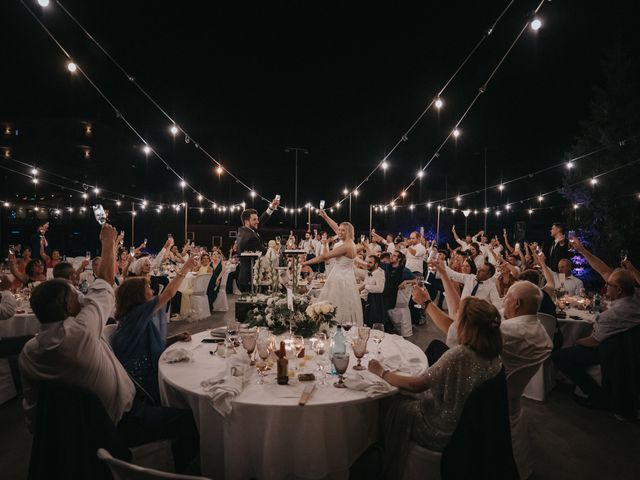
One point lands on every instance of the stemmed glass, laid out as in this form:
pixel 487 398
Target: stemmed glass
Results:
pixel 264 350
pixel 359 349
pixel 321 349
pixel 347 324
pixel 249 343
pixel 363 333
pixel 377 331
pixel 298 346
pixel 341 363
pixel 233 328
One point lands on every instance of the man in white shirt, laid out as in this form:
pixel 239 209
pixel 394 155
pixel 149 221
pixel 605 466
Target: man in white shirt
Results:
pixel 563 279
pixel 481 285
pixel 464 244
pixel 91 276
pixel 8 301
pixel 371 290
pixel 525 341
pixel 415 253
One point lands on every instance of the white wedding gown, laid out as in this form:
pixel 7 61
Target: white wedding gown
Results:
pixel 340 289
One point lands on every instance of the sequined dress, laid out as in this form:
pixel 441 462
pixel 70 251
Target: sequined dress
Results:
pixel 431 420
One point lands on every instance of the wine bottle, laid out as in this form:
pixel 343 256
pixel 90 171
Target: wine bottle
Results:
pixel 283 366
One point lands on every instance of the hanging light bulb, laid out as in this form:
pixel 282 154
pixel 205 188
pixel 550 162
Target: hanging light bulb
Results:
pixel 456 133
pixel 252 194
pixel 411 207
pixel 199 198
pixel 201 210
pixel 70 209
pixel 35 181
pixel 540 198
pixel 420 173
pixel 96 190
pixel 536 23
pixel 43 3
pixel 594 181
pixel 345 192
pixel 403 194
pixel 439 103
pixel 219 170
pixel 530 211
pixel 174 130
pixel 356 193
pixel 34 171
pixel 146 149
pixel 501 187
pixel 183 184
pixel 569 165
pixel 72 67
pixel 384 165
pixel 458 199
pixel 337 204
pixel 507 207
pixel 428 204
pixel 6 204
pixel 243 204
pixel 575 206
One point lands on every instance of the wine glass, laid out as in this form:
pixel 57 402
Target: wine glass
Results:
pixel 298 345
pixel 377 332
pixel 624 254
pixel 233 327
pixel 346 325
pixel 321 350
pixel 359 349
pixel 341 363
pixel 363 333
pixel 249 343
pixel 264 350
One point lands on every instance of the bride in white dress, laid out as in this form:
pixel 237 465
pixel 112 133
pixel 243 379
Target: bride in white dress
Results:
pixel 340 288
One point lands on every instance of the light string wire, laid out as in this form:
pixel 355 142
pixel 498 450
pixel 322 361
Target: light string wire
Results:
pixel 533 197
pixel 112 106
pixel 132 79
pixel 481 90
pixel 405 135
pixel 564 163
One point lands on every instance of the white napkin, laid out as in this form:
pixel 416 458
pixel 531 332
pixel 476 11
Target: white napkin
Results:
pixel 222 390
pixel 396 363
pixel 367 382
pixel 177 355
pixel 220 332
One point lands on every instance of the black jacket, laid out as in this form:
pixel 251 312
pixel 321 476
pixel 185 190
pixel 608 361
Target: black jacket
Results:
pixel 249 241
pixel 560 251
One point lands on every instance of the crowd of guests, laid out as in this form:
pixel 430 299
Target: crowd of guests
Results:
pixel 484 295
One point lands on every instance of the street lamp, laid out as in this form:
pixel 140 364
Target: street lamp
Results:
pixel 295 200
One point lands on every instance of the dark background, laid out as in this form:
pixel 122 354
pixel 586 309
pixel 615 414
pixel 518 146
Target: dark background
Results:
pixel 342 79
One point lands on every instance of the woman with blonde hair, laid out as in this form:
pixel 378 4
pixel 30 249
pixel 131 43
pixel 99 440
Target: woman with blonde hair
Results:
pixel 431 420
pixel 340 288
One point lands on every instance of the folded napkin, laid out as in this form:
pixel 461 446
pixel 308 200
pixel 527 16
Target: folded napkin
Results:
pixel 177 355
pixel 396 363
pixel 220 332
pixel 223 389
pixel 367 382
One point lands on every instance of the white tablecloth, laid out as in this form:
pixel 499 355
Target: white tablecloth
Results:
pixel 16 326
pixel 267 435
pixel 575 328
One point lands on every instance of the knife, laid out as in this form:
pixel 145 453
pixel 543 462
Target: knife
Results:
pixel 304 398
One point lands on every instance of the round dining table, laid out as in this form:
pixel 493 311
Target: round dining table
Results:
pixel 267 435
pixel 577 324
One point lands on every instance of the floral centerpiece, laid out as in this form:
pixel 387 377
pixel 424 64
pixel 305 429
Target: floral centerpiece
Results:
pixel 305 319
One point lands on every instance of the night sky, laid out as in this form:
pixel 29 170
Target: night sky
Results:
pixel 342 80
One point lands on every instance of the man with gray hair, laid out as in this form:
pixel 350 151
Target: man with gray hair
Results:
pixel 622 314
pixel 525 341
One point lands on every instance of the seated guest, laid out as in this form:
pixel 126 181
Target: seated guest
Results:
pixel 622 314
pixel 91 276
pixel 20 264
pixel 481 285
pixel 66 271
pixel 217 268
pixel 141 335
pixel 564 280
pixel 70 349
pixel 431 420
pixel 371 290
pixel 34 272
pixel 7 299
pixel 385 258
pixel 395 276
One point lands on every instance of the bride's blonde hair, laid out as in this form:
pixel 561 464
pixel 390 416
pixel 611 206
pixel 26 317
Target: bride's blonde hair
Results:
pixel 350 230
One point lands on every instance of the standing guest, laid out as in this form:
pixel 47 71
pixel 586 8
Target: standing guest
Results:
pixel 559 249
pixel 415 253
pixel 475 255
pixel 49 261
pixel 250 241
pixel 622 314
pixel 218 268
pixel 308 245
pixel 321 241
pixel 431 420
pixel 371 289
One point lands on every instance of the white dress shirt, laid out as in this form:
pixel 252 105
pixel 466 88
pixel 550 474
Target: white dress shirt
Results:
pixel 620 315
pixel 73 351
pixel 487 290
pixel 8 304
pixel 572 285
pixel 373 282
pixel 464 245
pixel 414 262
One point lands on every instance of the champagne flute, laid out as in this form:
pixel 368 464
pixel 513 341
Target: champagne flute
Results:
pixel 249 343
pixel 359 349
pixel 377 331
pixel 321 350
pixel 263 352
pixel 341 363
pixel 298 345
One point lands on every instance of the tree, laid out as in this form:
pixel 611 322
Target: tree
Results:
pixel 609 211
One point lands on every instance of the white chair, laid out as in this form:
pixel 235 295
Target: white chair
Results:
pixel 422 463
pixel 400 315
pixel 544 379
pixel 122 470
pixel 221 304
pixel 199 300
pixel 516 383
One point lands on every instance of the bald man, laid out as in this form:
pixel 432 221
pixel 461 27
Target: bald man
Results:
pixel 563 277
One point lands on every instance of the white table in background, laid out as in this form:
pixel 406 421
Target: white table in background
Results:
pixel 575 328
pixel 267 435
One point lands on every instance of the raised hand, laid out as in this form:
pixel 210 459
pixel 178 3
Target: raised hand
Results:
pixel 108 234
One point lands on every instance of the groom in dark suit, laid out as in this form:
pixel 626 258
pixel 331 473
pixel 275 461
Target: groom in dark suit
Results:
pixel 250 241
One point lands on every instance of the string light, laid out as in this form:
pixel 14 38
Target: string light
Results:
pixel 356 193
pixel 540 198
pixel 118 203
pixel 420 173
pixel 183 184
pixel 411 207
pixel 96 190
pixel 594 181
pixel 530 211
pixel 201 210
pixel 72 67
pixel 174 130
pixel 384 165
pixel 439 103
pixel 43 3
pixel 34 171
pixel 345 192
pixel 458 199
pixel 536 24
pixel 428 204
pixel 146 149
pixel 501 187
pixel 6 204
pixel 575 206
pixel 456 133
pixel 219 170
pixel 403 194
pixel 35 181
pixel 199 198
pixel 507 207
pixel 252 193
pixel 569 165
